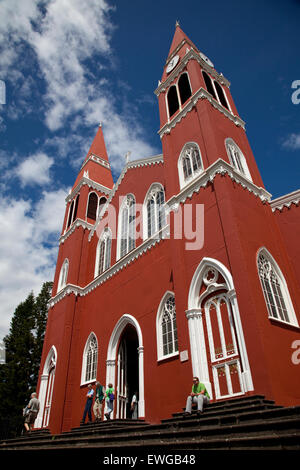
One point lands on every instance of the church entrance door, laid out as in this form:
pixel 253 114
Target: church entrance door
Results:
pixel 127 371
pixel 224 354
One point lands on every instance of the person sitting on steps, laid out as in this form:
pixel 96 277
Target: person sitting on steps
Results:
pixel 198 395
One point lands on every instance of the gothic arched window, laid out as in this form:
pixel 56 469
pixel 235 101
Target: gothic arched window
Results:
pixel 209 85
pixel 184 88
pixel 275 289
pixel 71 209
pixel 237 158
pixel 102 203
pixel 75 208
pixel 126 228
pixel 221 95
pixel 167 341
pixel 92 206
pixel 189 163
pixel 90 360
pixel 103 254
pixel 155 210
pixel 63 275
pixel 173 103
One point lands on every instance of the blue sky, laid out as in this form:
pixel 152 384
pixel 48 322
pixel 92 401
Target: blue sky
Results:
pixel 69 64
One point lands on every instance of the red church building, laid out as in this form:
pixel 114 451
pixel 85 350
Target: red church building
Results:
pixel 183 267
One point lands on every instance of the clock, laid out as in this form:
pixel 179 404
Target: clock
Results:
pixel 206 59
pixel 172 64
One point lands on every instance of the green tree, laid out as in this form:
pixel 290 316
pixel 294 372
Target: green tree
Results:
pixel 23 344
pixel 40 317
pixel 19 345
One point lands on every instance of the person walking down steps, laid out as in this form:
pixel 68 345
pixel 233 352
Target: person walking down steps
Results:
pixel 110 396
pixel 99 398
pixel 88 405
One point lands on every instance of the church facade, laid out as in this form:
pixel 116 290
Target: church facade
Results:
pixel 184 267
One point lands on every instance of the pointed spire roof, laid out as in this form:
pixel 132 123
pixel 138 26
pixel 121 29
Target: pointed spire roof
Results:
pixel 98 145
pixel 179 46
pixel 178 38
pixel 96 164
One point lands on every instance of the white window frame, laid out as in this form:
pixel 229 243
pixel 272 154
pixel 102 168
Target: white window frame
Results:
pixel 87 205
pixel 224 93
pixel 106 239
pixel 159 333
pixel 216 97
pixel 92 379
pixel 71 212
pixel 130 235
pixel 160 217
pixel 239 164
pixel 63 275
pixel 178 96
pixel 292 319
pixel 182 180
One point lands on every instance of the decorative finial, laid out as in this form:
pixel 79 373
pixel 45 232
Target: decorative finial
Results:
pixel 127 157
pixel 100 124
pixel 177 24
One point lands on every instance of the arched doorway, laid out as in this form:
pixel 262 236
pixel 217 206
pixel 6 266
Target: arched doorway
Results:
pixel 127 371
pixel 125 365
pixel 218 348
pixel 46 389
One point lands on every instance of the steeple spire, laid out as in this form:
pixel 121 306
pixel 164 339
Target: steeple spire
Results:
pixel 96 163
pixel 180 38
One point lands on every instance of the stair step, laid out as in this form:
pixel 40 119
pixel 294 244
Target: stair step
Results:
pixel 243 423
pixel 197 432
pixel 210 411
pixel 236 403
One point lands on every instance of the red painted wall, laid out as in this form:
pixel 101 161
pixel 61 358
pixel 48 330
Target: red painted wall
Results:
pixel 237 224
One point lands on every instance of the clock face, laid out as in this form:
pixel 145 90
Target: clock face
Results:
pixel 206 59
pixel 173 62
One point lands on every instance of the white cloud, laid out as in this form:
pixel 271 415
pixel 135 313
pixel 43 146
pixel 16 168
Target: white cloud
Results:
pixel 35 169
pixel 66 37
pixel 292 142
pixel 28 248
pixel 67 44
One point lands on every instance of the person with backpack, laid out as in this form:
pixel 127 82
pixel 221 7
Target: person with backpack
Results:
pixel 110 396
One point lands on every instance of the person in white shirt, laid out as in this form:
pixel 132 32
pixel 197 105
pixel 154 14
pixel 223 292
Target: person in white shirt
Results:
pixel 88 405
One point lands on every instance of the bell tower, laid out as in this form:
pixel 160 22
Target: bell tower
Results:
pixel 198 114
pixel 83 205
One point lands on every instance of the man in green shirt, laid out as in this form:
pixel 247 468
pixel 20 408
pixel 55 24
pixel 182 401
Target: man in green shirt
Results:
pixel 198 395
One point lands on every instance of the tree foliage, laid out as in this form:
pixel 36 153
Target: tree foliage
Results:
pixel 23 344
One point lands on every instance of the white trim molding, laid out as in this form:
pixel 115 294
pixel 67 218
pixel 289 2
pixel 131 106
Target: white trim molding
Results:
pixel 91 184
pixel 286 201
pixel 191 103
pixel 50 363
pixel 130 165
pixel 190 55
pixel 76 224
pixel 219 167
pixel 130 257
pixel 95 158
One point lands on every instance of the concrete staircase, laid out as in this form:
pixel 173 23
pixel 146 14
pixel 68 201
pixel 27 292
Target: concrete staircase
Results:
pixel 249 423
